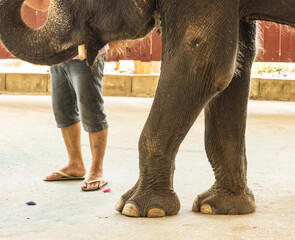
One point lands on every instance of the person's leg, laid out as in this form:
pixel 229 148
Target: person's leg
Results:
pixel 66 115
pixel 91 106
pixel 98 141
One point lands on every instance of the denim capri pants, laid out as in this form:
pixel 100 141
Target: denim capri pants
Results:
pixel 77 95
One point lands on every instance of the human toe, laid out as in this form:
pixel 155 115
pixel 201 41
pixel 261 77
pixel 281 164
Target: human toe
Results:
pixel 93 185
pixel 53 176
pixel 84 185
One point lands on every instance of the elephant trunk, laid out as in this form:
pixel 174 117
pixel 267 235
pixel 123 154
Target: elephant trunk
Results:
pixel 50 44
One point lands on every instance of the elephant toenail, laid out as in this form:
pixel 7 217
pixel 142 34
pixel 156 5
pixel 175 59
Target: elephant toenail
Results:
pixel 156 212
pixel 233 212
pixel 130 210
pixel 207 209
pixel 119 206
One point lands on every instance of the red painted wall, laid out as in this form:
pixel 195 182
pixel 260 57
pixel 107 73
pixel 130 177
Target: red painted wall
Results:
pixel 277 42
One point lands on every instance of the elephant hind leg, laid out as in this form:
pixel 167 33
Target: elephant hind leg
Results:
pixel 225 124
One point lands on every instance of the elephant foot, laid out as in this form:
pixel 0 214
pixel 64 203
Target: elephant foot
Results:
pixel 215 201
pixel 149 202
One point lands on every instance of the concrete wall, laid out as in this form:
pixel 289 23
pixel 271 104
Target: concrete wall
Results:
pixel 272 89
pixel 2 82
pixel 137 85
pixel 24 83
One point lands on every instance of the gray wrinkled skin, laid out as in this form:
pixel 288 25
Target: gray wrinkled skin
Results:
pixel 208 50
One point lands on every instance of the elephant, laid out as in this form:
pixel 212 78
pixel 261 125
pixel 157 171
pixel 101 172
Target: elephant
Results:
pixel 208 48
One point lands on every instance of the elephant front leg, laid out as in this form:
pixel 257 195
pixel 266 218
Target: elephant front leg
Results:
pixel 225 120
pixel 152 195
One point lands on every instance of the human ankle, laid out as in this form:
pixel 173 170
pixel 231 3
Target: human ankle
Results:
pixel 76 165
pixel 96 171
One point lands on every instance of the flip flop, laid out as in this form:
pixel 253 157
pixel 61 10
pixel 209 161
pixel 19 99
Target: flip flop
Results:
pixel 100 179
pixel 65 177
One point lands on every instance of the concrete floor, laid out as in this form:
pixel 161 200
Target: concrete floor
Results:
pixel 31 147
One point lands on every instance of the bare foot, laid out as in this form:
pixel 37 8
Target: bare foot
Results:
pixel 73 170
pixel 93 176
